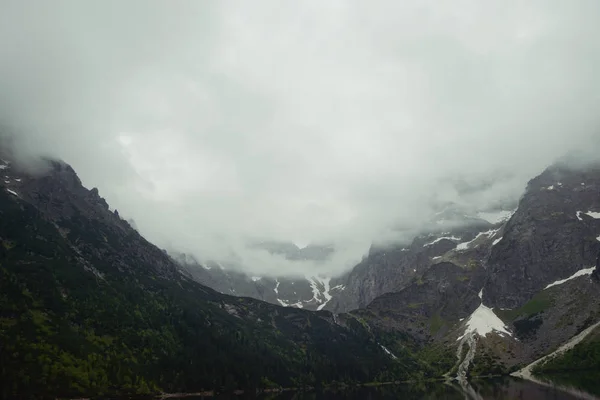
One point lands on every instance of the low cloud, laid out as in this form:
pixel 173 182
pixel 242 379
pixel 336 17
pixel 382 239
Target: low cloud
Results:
pixel 214 123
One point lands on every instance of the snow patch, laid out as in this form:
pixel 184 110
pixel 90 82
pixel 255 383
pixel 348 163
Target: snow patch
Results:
pixel 276 289
pixel 286 304
pixel 463 246
pixel 256 278
pixel 497 241
pixel 325 293
pixel 484 321
pixel 442 238
pixel 581 272
pixel 551 187
pixel 3 167
pixel 12 192
pixel 593 214
pixel 388 352
pixel 466 245
pixel 315 289
pixel 598 238
pixel 283 302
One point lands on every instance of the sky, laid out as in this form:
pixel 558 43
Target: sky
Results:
pixel 212 122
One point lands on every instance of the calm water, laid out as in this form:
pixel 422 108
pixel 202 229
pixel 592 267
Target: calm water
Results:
pixel 493 389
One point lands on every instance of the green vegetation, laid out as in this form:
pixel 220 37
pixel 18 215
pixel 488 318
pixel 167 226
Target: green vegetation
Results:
pixel 435 323
pixel 539 303
pixel 486 364
pixel 585 356
pixel 439 357
pixel 98 311
pixel 472 265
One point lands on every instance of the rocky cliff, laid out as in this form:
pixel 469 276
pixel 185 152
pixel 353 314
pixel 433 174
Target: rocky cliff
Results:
pixel 88 307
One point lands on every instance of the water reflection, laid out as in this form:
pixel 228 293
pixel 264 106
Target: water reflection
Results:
pixel 485 389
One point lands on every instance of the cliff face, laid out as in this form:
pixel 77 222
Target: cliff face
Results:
pixel 552 235
pixel 89 307
pixel 528 283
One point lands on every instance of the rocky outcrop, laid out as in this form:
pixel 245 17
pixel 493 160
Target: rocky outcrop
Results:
pixel 86 296
pixel 552 234
pixel 391 268
pixel 309 292
pixel 432 303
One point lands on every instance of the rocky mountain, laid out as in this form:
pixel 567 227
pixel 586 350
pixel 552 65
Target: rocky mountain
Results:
pixel 308 292
pixel 384 270
pixel 506 285
pixel 89 307
pixel 388 269
pixel 504 293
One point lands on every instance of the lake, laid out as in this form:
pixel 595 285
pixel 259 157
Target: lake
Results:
pixel 493 389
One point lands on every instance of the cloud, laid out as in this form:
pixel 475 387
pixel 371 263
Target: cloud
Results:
pixel 210 123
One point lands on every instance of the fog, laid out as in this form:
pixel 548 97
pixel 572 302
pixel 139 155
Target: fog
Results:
pixel 211 123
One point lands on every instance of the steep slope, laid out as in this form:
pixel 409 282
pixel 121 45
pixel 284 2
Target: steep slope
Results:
pixel 309 292
pixel 89 307
pixel 392 268
pixel 497 296
pixel 552 235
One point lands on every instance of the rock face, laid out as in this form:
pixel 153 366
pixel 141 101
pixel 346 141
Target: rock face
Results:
pixel 310 292
pixel 535 272
pixel 88 307
pixel 552 235
pixel 70 264
pixel 529 270
pixel 390 269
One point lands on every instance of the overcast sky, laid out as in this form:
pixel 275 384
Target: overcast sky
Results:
pixel 209 122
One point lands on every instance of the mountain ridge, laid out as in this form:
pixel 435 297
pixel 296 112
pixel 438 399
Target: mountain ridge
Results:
pixel 533 269
pixel 78 282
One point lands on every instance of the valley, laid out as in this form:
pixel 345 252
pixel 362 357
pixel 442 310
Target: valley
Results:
pixel 91 308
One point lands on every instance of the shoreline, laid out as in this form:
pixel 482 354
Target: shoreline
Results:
pixel 526 372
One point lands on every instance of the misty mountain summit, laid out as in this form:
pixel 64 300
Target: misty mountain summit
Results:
pixel 72 268
pixel 345 200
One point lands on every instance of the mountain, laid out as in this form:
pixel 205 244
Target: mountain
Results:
pixel 498 294
pixel 89 307
pixel 388 269
pixel 501 287
pixel 308 292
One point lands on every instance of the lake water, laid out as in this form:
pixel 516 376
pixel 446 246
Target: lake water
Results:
pixel 492 389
